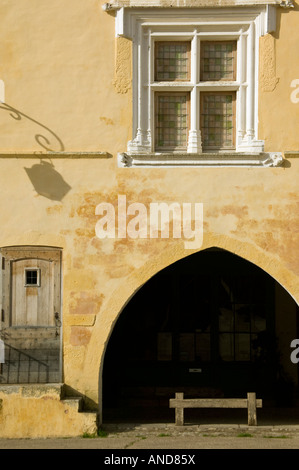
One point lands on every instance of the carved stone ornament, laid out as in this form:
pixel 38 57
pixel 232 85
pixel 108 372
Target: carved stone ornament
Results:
pixel 264 159
pixel 287 4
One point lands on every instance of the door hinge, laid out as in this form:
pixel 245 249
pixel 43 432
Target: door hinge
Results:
pixel 3 263
pixel 2 315
pixel 57 322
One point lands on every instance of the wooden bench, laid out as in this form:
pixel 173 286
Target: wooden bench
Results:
pixel 179 403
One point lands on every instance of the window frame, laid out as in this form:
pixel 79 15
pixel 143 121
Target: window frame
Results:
pixel 38 277
pixel 196 87
pixel 145 26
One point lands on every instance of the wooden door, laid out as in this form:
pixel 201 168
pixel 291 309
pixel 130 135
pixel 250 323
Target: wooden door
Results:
pixel 31 314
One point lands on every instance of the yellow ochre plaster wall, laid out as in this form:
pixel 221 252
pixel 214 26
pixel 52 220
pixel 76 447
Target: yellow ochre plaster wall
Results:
pixel 67 83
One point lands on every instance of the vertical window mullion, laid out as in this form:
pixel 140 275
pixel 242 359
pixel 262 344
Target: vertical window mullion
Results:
pixel 149 90
pixel 250 84
pixel 194 136
pixel 140 92
pixel 241 93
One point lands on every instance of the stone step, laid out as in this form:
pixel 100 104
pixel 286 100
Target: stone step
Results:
pixel 73 402
pixel 55 390
pixel 64 416
pixel 34 390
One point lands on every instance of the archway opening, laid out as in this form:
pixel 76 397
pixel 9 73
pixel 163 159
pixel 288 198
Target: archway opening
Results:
pixel 209 325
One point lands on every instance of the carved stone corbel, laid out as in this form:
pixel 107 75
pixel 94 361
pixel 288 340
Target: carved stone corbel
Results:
pixel 124 160
pixel 274 159
pixel 287 4
pixel 108 7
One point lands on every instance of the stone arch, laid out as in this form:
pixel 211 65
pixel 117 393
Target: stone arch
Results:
pixel 104 325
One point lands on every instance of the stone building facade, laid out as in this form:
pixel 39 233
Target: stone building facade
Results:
pixel 149 178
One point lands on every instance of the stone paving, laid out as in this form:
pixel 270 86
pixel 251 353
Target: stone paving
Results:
pixel 165 436
pixel 276 429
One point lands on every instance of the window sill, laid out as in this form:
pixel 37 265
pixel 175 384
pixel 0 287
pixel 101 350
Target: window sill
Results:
pixel 225 159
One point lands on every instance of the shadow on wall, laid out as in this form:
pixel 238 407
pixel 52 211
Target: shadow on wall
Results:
pixel 47 181
pixel 46 142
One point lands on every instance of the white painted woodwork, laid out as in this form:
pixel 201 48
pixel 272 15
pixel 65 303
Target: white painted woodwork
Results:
pixel 245 25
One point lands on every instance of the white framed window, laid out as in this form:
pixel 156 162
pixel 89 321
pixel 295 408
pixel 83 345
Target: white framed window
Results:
pixel 32 277
pixel 195 85
pixel 204 83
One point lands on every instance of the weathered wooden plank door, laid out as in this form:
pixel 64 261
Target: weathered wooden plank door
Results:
pixel 31 314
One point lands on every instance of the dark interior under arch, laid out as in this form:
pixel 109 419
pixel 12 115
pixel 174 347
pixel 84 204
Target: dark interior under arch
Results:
pixel 208 325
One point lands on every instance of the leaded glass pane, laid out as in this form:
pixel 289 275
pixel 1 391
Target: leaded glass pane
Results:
pixel 171 120
pixel 218 60
pixel 217 120
pixel 172 61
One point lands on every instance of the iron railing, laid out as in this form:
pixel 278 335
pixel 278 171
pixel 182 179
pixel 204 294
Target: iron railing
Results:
pixel 21 367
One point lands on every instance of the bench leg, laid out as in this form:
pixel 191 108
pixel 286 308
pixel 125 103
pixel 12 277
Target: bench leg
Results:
pixel 252 419
pixel 179 412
